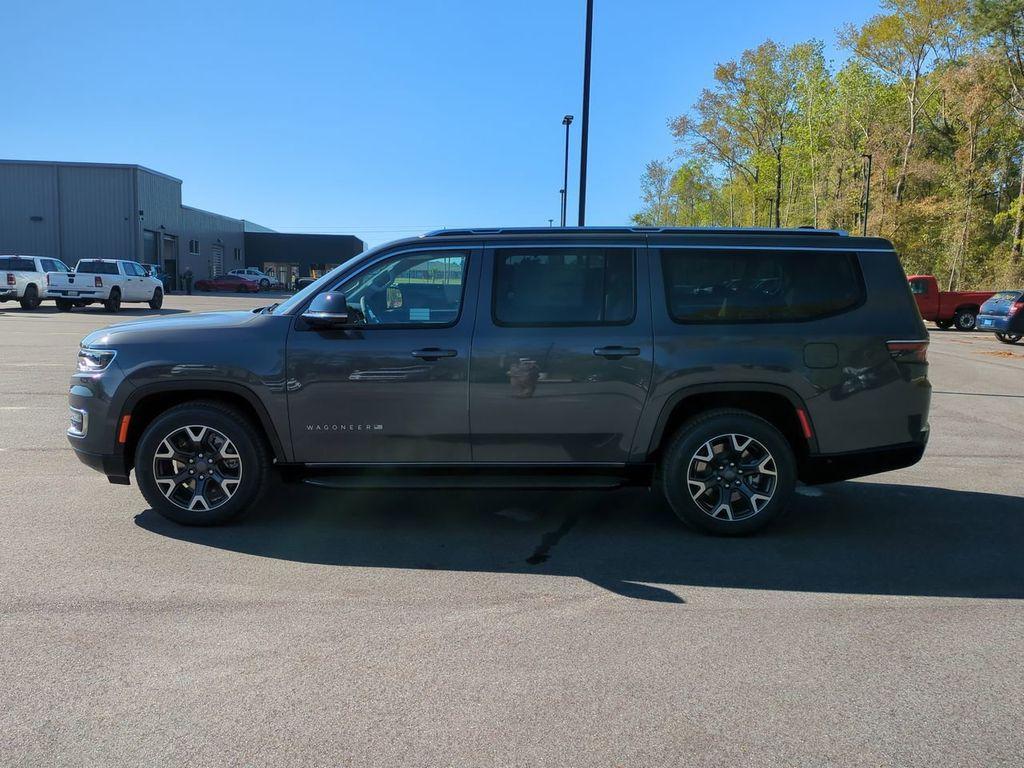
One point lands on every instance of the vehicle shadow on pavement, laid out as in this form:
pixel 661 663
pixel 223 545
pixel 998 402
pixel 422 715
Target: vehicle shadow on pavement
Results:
pixel 859 538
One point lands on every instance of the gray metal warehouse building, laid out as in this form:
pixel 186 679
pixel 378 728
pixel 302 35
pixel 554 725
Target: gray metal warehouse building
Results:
pixel 95 210
pixel 113 211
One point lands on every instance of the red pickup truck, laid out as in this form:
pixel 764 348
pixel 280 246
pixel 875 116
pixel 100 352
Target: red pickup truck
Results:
pixel 947 308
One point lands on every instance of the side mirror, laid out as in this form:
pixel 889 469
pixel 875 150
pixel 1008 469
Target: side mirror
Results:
pixel 327 310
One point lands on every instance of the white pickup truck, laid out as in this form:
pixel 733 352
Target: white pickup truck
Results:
pixel 109 281
pixel 23 278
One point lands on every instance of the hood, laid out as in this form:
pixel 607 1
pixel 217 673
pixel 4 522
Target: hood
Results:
pixel 170 327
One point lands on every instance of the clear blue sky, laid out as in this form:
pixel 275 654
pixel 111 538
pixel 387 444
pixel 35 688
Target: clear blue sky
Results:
pixel 372 117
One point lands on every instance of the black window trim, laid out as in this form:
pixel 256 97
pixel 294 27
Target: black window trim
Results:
pixel 466 250
pixel 542 246
pixel 848 252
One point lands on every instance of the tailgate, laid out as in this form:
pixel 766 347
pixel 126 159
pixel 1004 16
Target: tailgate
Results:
pixel 999 305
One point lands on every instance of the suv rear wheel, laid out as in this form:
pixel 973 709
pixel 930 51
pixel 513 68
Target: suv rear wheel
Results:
pixel 201 463
pixel 728 472
pixel 1008 338
pixel 965 319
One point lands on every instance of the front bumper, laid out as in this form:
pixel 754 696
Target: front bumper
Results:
pixel 95 402
pixel 110 464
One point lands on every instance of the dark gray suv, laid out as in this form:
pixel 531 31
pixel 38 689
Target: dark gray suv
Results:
pixel 718 366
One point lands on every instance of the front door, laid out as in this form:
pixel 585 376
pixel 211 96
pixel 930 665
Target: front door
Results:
pixel 393 388
pixel 562 354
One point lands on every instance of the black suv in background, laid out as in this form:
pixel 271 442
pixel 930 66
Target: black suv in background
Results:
pixel 720 366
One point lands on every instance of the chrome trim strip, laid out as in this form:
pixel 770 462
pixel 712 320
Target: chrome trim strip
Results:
pixel 85 423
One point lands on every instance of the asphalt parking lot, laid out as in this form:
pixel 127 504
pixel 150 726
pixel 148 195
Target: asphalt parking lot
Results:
pixel 880 623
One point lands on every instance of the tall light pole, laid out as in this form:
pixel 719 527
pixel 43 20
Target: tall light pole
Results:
pixel 566 121
pixel 866 202
pixel 584 130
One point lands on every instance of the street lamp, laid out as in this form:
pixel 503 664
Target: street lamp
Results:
pixel 586 113
pixel 566 121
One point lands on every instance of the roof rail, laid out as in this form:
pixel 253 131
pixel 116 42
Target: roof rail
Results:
pixel 803 231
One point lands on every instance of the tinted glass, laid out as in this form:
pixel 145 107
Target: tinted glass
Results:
pixel 18 264
pixel 1006 296
pixel 564 286
pixel 759 286
pixel 415 289
pixel 918 286
pixel 97 267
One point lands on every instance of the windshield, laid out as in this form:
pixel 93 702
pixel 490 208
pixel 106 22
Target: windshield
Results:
pixel 313 288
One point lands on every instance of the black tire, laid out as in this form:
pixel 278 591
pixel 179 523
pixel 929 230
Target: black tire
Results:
pixel 965 319
pixel 65 305
pixel 158 299
pixel 945 325
pixel 749 486
pixel 1008 338
pixel 264 284
pixel 113 304
pixel 31 298
pixel 250 448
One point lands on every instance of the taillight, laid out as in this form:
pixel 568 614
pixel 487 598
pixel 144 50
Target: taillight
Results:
pixel 10 279
pixel 98 282
pixel 1016 307
pixel 908 351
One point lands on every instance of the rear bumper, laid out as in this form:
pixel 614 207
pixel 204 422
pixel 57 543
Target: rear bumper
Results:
pixel 8 294
pixel 831 468
pixel 1001 323
pixel 73 294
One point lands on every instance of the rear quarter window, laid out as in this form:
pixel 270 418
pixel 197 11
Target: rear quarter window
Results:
pixel 18 264
pixel 724 286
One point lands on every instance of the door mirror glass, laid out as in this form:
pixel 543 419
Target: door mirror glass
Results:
pixel 328 310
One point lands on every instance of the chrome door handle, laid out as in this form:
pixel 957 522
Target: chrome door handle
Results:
pixel 433 353
pixel 616 352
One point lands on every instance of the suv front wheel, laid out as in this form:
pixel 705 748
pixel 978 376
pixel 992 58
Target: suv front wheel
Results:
pixel 201 463
pixel 728 472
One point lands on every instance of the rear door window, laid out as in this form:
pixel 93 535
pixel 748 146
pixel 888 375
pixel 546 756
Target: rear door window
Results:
pixel 564 286
pixel 723 286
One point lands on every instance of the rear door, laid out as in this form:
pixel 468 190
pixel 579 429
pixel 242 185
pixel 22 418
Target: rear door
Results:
pixel 562 352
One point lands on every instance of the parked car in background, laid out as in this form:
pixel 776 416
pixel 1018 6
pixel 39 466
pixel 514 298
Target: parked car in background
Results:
pixel 110 282
pixel 234 283
pixel 260 277
pixel 947 309
pixel 24 278
pixel 1004 315
pixel 719 366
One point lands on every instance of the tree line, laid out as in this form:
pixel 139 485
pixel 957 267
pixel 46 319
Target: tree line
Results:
pixel 923 122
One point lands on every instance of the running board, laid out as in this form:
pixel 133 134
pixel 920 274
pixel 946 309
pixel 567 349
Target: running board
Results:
pixel 457 481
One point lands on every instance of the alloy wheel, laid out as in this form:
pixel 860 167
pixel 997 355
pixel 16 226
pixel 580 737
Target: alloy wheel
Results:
pixel 197 468
pixel 732 477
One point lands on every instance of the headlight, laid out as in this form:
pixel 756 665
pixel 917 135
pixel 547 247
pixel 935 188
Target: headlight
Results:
pixel 94 360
